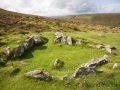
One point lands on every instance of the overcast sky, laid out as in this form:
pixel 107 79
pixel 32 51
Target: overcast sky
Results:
pixel 61 7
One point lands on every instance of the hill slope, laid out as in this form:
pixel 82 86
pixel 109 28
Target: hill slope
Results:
pixel 97 19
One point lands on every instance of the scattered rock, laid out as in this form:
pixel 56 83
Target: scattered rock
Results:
pixel 66 77
pixel 109 48
pixel 18 51
pixel 84 71
pixel 69 40
pixel 39 74
pixel 99 35
pixel 79 42
pixel 99 46
pixel 116 65
pixel 56 62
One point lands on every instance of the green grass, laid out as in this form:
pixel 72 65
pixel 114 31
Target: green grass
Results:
pixel 43 57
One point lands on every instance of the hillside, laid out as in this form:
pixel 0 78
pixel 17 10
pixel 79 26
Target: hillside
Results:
pixel 58 53
pixel 17 22
pixel 97 19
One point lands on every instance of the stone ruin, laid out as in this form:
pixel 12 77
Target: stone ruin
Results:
pixel 20 49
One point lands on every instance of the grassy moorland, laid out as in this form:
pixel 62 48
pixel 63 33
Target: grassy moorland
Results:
pixel 111 20
pixel 43 57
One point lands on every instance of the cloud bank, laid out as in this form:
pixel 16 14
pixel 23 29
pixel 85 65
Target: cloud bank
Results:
pixel 60 7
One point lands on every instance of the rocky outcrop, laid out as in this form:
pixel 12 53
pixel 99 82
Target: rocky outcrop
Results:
pixel 84 71
pixel 30 42
pixel 109 48
pixel 116 65
pixel 96 62
pixel 90 67
pixel 18 51
pixel 39 74
pixel 60 38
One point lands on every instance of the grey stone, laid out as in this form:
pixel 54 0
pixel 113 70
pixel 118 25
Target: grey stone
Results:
pixel 69 40
pixel 90 67
pixel 29 43
pixel 63 40
pixel 66 77
pixel 99 46
pixel 39 74
pixel 84 71
pixel 57 39
pixel 18 51
pixel 56 62
pixel 109 48
pixel 97 61
pixel 99 35
pixel 116 65
pixel 37 39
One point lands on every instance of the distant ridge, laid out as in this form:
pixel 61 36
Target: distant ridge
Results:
pixel 105 19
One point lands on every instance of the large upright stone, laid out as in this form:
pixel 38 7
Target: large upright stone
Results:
pixel 18 51
pixel 63 40
pixel 69 40
pixel 29 43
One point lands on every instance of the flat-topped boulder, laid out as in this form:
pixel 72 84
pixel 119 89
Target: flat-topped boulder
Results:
pixel 97 61
pixel 84 71
pixel 39 74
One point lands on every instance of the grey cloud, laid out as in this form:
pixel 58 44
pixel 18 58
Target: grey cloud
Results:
pixel 55 7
